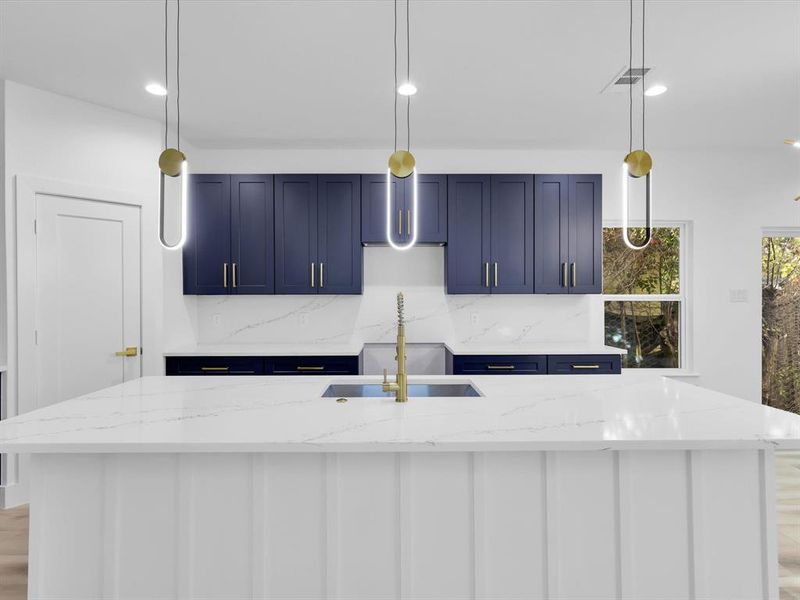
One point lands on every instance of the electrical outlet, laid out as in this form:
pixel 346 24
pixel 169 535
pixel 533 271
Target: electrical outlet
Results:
pixel 302 319
pixel 216 319
pixel 474 319
pixel 738 295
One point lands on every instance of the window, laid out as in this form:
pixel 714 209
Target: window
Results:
pixel 644 298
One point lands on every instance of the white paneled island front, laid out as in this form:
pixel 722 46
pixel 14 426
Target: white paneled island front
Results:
pixel 559 487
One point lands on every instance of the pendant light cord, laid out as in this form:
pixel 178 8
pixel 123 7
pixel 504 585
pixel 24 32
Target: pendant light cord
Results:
pixel 166 73
pixel 394 90
pixel 408 75
pixel 644 97
pixel 630 80
pixel 178 72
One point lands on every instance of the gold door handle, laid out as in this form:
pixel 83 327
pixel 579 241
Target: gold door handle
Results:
pixel 585 366
pixel 408 222
pixel 574 275
pixel 234 275
pixel 322 275
pixel 486 273
pixel 399 222
pixel 303 368
pixel 500 367
pixel 215 369
pixel 224 275
pixel 129 351
pixel 564 275
pixel 313 267
pixel 496 279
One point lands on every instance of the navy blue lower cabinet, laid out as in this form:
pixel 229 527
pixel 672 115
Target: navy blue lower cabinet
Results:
pixel 214 365
pixel 313 365
pixel 498 364
pixel 584 364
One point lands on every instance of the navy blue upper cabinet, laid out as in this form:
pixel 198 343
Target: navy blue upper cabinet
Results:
pixel 207 264
pixel 432 207
pixel 296 234
pixel 431 204
pixel 252 235
pixel 568 236
pixel 373 209
pixel 339 250
pixel 511 234
pixel 317 240
pixel 467 254
pixel 490 234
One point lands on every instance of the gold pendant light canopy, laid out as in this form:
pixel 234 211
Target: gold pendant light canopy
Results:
pixel 402 163
pixel 639 162
pixel 170 162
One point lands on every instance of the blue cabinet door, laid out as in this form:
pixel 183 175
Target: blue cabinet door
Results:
pixel 339 250
pixel 551 237
pixel 296 234
pixel 511 234
pixel 467 250
pixel 431 206
pixel 207 267
pixel 585 234
pixel 373 209
pixel 252 235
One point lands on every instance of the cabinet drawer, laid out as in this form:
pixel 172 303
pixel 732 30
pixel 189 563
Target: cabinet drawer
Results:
pixel 215 365
pixel 313 365
pixel 499 365
pixel 584 364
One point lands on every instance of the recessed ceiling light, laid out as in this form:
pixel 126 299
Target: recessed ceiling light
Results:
pixel 156 89
pixel 656 89
pixel 407 89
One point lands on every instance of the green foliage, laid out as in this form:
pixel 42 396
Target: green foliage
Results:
pixel 654 270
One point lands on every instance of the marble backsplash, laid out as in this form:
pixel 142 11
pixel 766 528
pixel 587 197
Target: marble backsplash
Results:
pixel 431 315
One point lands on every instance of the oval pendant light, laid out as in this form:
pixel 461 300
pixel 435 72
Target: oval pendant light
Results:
pixel 172 162
pixel 402 163
pixel 637 163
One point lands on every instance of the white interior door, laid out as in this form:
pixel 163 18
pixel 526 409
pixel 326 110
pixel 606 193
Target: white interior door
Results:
pixel 88 282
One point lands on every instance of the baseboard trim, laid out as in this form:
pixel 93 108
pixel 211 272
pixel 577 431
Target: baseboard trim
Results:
pixel 12 495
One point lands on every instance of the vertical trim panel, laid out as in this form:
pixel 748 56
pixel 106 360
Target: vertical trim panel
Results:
pixel 111 537
pixel 769 526
pixel 479 520
pixel 259 563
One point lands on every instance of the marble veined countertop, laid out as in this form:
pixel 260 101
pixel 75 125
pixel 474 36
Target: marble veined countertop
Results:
pixel 354 348
pixel 288 414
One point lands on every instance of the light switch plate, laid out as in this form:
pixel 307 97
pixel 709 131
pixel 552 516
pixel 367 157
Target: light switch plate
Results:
pixel 738 295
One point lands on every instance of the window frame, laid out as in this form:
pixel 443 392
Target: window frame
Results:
pixel 683 297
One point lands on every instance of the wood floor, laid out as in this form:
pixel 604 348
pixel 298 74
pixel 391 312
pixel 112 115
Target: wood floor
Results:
pixel 14 537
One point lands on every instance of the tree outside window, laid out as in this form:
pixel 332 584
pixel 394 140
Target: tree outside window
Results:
pixel 644 304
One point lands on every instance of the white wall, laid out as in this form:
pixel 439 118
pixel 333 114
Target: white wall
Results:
pixel 52 137
pixel 726 197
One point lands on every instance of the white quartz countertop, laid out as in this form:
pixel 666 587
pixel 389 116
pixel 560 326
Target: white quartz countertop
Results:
pixel 536 348
pixel 288 414
pixel 307 349
pixel 353 349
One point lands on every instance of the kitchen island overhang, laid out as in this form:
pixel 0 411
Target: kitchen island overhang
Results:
pixel 544 487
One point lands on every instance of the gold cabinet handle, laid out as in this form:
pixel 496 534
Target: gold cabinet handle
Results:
pixel 313 267
pixel 564 276
pixel 215 369
pixel 304 368
pixel 585 366
pixel 399 222
pixel 224 275
pixel 496 279
pixel 129 351
pixel 234 275
pixel 408 222
pixel 500 367
pixel 322 275
pixel 486 273
pixel 574 275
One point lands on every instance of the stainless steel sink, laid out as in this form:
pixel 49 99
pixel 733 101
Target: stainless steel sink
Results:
pixel 415 390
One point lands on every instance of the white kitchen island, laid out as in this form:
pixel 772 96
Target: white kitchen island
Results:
pixel 558 487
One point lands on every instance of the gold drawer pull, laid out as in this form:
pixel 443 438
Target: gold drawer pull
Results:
pixel 486 272
pixel 129 351
pixel 224 275
pixel 234 274
pixel 564 276
pixel 301 368
pixel 585 366
pixel 503 367
pixel 215 369
pixel 574 275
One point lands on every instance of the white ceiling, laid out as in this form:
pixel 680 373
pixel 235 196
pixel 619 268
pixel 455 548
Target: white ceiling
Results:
pixel 491 73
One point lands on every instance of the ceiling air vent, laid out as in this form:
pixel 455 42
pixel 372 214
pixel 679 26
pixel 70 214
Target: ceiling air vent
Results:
pixel 625 78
